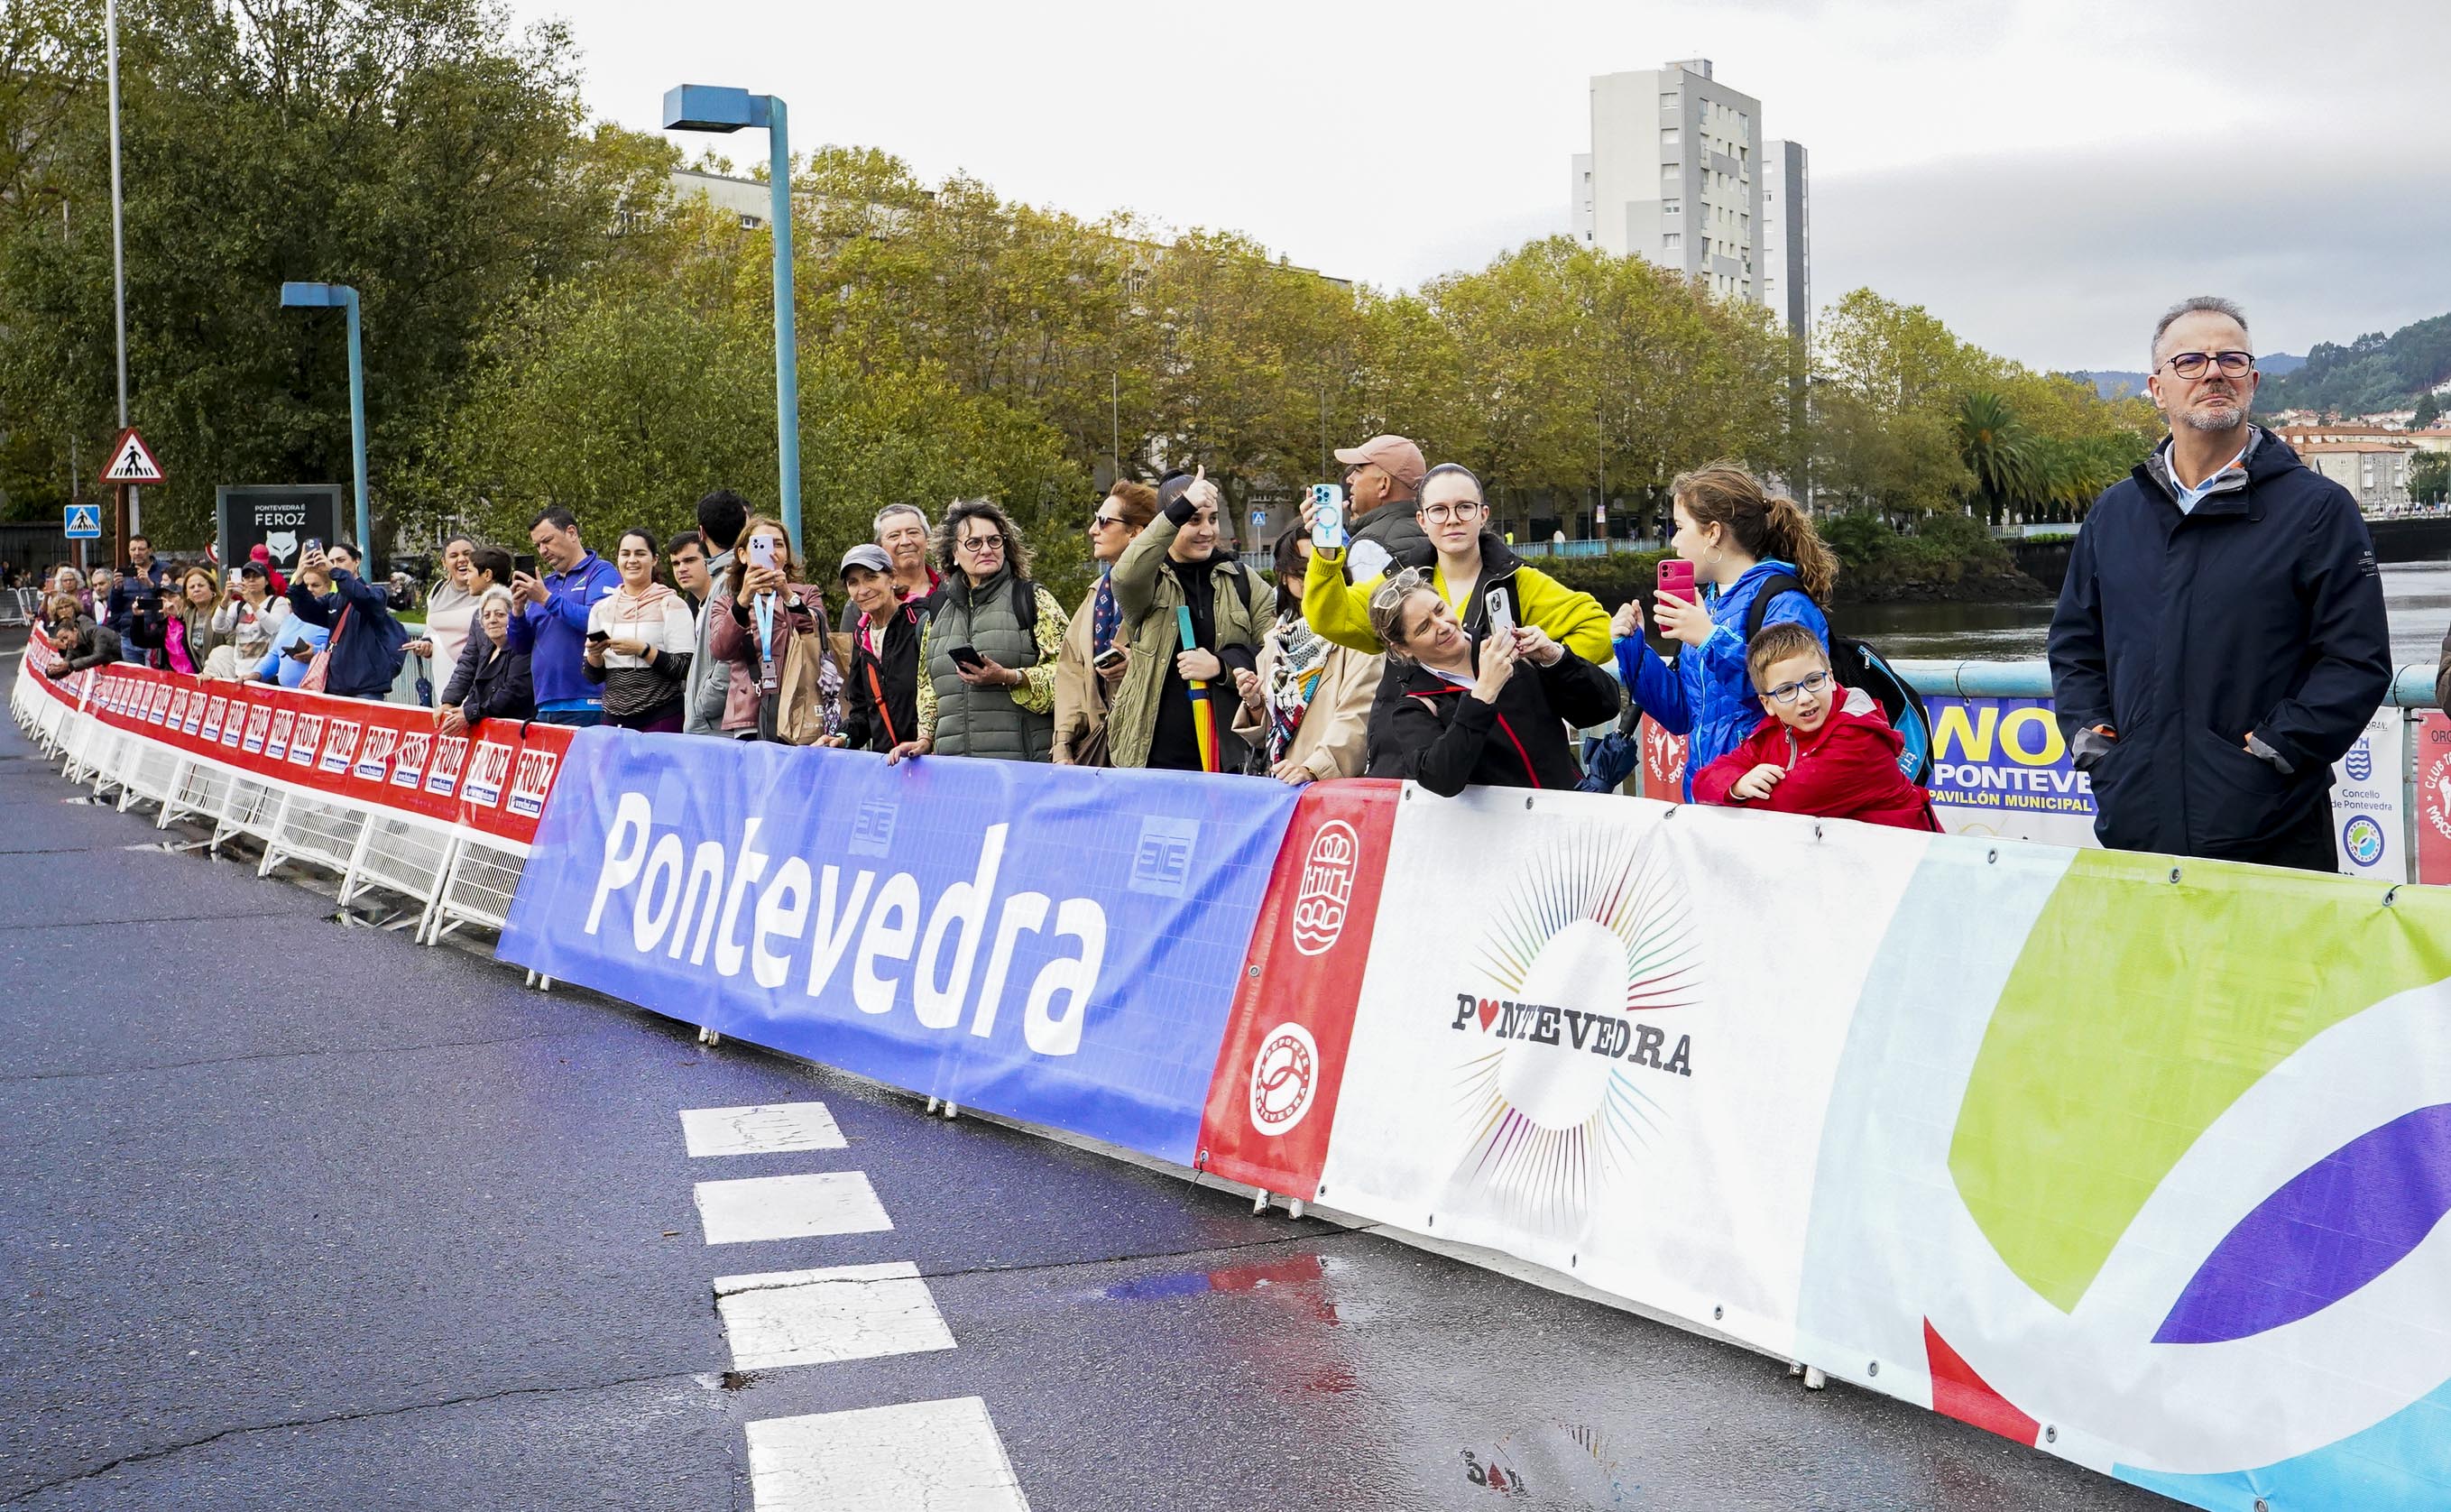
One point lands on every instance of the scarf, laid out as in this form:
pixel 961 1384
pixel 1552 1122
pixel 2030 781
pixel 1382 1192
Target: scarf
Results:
pixel 1302 656
pixel 1104 617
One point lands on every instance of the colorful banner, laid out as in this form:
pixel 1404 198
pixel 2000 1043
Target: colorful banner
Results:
pixel 2000 768
pixel 1048 943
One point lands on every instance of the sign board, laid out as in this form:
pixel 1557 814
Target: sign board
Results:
pixel 132 460
pixel 82 521
pixel 281 518
pixel 2369 800
pixel 2431 731
pixel 2000 767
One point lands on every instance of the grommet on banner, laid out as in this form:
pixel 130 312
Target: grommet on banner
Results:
pixel 2051 1435
pixel 1992 858
pixel 1872 1370
pixel 2174 873
pixel 1250 970
pixel 1816 832
pixel 1718 1312
pixel 1527 803
pixel 2391 894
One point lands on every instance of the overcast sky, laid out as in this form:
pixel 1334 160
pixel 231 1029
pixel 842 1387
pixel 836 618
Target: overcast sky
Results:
pixel 2044 175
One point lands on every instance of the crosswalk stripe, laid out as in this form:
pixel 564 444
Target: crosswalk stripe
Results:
pixel 921 1457
pixel 812 1317
pixel 760 1131
pixel 832 1202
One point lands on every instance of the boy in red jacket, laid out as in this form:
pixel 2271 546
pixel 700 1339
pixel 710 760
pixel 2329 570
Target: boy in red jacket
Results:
pixel 1825 750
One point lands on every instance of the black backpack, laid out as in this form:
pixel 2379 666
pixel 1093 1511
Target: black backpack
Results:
pixel 1859 666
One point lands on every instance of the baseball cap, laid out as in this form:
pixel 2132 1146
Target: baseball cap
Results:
pixel 871 557
pixel 1399 458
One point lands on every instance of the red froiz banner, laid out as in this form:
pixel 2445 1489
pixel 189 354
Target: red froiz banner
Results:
pixel 1272 1100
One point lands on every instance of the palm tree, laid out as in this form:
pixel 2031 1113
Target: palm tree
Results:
pixel 1997 450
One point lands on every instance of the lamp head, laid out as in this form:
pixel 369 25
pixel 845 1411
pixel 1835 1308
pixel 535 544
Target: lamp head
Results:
pixel 712 107
pixel 314 296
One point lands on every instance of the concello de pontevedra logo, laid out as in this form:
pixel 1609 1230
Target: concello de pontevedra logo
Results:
pixel 1587 947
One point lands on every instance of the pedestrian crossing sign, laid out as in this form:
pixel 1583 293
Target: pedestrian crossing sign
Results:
pixel 83 522
pixel 132 460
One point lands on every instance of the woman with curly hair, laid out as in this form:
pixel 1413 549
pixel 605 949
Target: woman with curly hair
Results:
pixel 989 651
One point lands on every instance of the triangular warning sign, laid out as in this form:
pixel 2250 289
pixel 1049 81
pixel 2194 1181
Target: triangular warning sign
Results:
pixel 132 460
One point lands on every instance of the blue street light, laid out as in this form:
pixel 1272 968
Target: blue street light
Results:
pixel 324 296
pixel 712 107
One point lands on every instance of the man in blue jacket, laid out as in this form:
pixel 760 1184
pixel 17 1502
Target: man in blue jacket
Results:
pixel 551 625
pixel 2220 640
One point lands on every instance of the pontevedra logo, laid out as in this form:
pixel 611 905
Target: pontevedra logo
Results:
pixel 1329 871
pixel 1571 1069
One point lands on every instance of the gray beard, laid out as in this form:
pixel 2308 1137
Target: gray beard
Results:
pixel 2215 419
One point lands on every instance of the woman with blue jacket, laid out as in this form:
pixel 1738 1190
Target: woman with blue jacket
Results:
pixel 1739 537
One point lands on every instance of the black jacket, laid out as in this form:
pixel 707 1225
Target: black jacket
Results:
pixel 1428 729
pixel 97 646
pixel 2260 614
pixel 1393 528
pixel 895 668
pixel 498 686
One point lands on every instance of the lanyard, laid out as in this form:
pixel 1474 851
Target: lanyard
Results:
pixel 763 608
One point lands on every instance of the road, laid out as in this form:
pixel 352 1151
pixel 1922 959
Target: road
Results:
pixel 299 1214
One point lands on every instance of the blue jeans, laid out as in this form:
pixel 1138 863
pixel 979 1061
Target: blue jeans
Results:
pixel 575 718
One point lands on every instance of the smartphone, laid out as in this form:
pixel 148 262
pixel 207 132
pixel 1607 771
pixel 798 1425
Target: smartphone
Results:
pixel 1112 656
pixel 525 564
pixel 599 634
pixel 1501 613
pixel 1676 578
pixel 965 656
pixel 1327 510
pixel 761 551
pixel 310 548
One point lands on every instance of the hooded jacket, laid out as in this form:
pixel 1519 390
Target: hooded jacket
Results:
pixel 1426 729
pixel 1570 617
pixel 1706 695
pixel 1845 770
pixel 2257 617
pixel 365 653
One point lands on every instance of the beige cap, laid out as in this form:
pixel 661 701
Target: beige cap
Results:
pixel 1395 455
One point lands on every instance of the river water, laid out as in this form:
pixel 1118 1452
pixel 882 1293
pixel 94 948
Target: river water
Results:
pixel 2416 595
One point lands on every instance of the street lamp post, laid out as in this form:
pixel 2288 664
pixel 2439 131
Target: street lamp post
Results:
pixel 129 522
pixel 713 108
pixel 324 296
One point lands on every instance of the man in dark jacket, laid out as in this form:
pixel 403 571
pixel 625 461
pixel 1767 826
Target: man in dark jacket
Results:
pixel 365 652
pixel 1383 483
pixel 137 590
pixel 881 691
pixel 2220 639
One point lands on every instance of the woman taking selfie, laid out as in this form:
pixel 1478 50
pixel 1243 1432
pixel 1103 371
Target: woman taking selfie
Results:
pixel 1095 658
pixel 986 652
pixel 1306 708
pixel 1456 714
pixel 639 640
pixel 1739 537
pixel 753 628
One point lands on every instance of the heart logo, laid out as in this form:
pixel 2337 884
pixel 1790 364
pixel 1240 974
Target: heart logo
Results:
pixel 1488 1011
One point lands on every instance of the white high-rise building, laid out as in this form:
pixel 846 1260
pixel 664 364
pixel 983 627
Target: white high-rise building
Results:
pixel 1787 235
pixel 1676 175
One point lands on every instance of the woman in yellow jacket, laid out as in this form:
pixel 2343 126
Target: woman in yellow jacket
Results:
pixel 1466 562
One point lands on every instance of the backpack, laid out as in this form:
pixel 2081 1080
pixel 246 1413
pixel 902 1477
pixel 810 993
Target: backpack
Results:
pixel 1859 666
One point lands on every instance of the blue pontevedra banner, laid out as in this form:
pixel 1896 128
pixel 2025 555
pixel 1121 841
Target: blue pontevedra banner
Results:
pixel 1052 944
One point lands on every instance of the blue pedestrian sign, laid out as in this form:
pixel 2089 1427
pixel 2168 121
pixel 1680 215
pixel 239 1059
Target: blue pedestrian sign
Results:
pixel 84 521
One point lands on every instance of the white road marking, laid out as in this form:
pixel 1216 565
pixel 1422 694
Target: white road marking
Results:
pixel 811 1317
pixel 834 1202
pixel 922 1457
pixel 760 1131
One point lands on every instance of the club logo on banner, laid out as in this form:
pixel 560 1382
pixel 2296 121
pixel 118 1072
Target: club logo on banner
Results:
pixel 1283 1075
pixel 1326 886
pixel 1585 945
pixel 534 780
pixel 487 770
pixel 374 759
pixel 442 770
pixel 340 746
pixel 1663 763
pixel 408 767
pixel 306 738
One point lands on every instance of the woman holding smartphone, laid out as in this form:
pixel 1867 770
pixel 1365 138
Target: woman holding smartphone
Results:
pixel 1734 537
pixel 754 630
pixel 987 648
pixel 1306 706
pixel 639 640
pixel 1094 658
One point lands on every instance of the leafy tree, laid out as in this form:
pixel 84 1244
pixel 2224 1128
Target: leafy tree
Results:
pixel 2429 409
pixel 2429 478
pixel 2005 463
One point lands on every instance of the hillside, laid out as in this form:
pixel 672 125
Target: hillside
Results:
pixel 2374 372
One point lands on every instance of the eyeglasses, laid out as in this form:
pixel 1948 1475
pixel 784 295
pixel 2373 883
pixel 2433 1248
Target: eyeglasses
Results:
pixel 1812 682
pixel 1449 514
pixel 981 545
pixel 2192 364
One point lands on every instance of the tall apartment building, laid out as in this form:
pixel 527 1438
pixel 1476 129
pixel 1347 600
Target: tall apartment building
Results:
pixel 1787 235
pixel 1680 174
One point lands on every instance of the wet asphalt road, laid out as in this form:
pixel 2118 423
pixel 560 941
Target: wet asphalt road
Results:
pixel 299 1215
